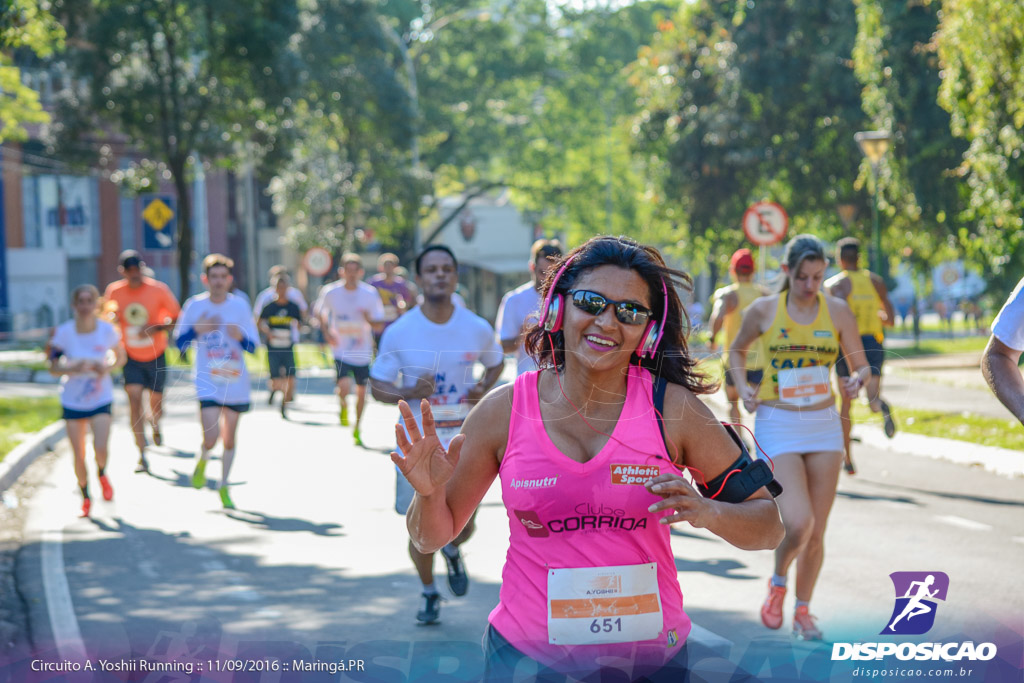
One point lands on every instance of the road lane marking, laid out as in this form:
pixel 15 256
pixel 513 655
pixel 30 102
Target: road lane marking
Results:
pixel 66 634
pixel 968 524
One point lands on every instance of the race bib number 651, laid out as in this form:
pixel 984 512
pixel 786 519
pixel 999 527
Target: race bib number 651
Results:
pixel 595 605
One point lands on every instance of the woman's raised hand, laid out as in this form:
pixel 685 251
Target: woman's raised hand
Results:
pixel 424 461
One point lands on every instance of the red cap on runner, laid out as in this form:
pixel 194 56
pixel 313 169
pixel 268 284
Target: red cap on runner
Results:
pixel 742 262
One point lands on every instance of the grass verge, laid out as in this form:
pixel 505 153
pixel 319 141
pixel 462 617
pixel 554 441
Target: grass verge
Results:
pixel 306 356
pixel 982 430
pixel 22 416
pixel 935 347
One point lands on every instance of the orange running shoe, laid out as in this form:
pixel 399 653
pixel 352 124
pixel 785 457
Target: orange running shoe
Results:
pixel 108 490
pixel 804 627
pixel 771 610
pixel 86 506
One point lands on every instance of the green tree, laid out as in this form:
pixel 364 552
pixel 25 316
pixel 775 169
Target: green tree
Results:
pixel 177 77
pixel 26 25
pixel 981 50
pixel 921 196
pixel 749 104
pixel 350 169
pixel 571 162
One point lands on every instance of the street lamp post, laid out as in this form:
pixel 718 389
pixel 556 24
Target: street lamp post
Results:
pixel 874 144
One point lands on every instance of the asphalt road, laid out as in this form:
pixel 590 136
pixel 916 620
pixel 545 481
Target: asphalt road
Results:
pixel 313 565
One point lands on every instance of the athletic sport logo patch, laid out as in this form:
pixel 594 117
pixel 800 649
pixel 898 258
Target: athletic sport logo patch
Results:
pixel 636 475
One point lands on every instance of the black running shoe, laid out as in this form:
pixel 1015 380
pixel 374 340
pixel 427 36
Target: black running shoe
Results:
pixel 270 399
pixel 458 580
pixel 431 612
pixel 890 426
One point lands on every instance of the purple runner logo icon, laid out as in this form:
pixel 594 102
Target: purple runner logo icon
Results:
pixel 916 595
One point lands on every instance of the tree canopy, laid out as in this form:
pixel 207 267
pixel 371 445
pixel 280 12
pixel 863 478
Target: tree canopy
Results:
pixel 660 119
pixel 24 25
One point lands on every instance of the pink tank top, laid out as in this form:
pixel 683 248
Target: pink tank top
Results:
pixel 568 515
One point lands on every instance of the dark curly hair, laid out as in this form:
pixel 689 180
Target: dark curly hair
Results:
pixel 672 360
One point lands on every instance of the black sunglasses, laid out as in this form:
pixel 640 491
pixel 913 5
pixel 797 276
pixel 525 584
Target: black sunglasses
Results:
pixel 627 312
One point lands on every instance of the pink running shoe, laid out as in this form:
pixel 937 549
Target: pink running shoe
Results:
pixel 771 610
pixel 108 490
pixel 804 627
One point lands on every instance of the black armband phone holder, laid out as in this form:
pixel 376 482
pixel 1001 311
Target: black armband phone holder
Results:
pixel 747 475
pixel 741 478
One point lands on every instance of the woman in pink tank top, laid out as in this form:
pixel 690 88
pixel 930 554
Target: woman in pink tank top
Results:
pixel 588 482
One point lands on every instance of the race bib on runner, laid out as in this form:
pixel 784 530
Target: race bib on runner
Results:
pixel 280 338
pixel 224 367
pixel 133 337
pixel 594 605
pixel 804 386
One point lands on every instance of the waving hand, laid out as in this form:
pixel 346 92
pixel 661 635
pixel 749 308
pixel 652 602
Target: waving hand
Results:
pixel 424 461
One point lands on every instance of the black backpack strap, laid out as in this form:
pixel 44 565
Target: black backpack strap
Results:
pixel 660 385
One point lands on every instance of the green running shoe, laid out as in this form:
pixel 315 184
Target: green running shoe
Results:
pixel 225 498
pixel 199 476
pixel 355 434
pixel 344 415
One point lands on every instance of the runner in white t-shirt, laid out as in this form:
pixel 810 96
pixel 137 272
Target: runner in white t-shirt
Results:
pixel 999 364
pixel 349 310
pixel 520 308
pixel 430 354
pixel 222 328
pixel 82 353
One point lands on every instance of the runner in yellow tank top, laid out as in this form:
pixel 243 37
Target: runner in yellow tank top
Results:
pixel 802 331
pixel 726 314
pixel 866 294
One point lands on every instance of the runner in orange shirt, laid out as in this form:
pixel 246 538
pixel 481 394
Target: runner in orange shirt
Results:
pixel 144 310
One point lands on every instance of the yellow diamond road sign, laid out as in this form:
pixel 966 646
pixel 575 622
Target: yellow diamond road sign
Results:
pixel 158 214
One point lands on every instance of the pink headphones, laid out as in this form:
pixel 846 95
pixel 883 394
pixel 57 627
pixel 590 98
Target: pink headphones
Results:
pixel 554 309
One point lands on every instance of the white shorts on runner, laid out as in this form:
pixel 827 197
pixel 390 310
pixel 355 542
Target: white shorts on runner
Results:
pixel 798 431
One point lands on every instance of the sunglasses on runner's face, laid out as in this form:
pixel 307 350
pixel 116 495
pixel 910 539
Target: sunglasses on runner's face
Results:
pixel 592 303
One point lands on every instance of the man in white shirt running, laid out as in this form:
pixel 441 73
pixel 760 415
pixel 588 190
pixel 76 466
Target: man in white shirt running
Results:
pixel 222 328
pixel 349 310
pixel 999 362
pixel 430 354
pixel 520 307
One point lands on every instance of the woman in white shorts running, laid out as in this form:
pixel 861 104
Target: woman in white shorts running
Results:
pixel 802 331
pixel 82 353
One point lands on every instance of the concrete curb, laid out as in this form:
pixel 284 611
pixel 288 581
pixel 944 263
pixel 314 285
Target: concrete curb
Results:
pixel 1000 461
pixel 24 454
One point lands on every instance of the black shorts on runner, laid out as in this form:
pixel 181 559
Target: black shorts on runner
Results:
pixel 237 407
pixel 361 373
pixel 151 374
pixel 281 362
pixel 875 357
pixel 754 377
pixel 72 414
